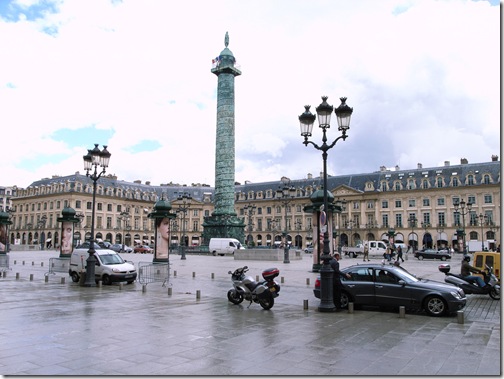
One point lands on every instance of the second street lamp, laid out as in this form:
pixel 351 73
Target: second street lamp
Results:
pixel 306 120
pixel 92 160
pixel 460 208
pixel 286 194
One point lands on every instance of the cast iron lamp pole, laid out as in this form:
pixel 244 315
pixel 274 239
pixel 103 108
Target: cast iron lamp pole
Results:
pixel 483 220
pixel 286 195
pixel 413 221
pixel 306 120
pixel 460 207
pixel 249 209
pixel 92 160
pixel 183 208
pixel 124 216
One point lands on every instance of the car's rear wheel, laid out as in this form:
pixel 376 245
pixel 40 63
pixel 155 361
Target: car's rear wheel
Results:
pixel 420 257
pixel 106 280
pixel 443 258
pixel 345 299
pixel 75 277
pixel 435 306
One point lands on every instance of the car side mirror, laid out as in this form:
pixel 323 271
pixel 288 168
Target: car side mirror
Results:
pixel 402 282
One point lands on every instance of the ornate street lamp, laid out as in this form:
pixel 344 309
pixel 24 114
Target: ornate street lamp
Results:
pixel 92 160
pixel 413 222
pixel 286 194
pixel 124 218
pixel 249 210
pixel 460 208
pixel 306 120
pixel 186 204
pixel 483 220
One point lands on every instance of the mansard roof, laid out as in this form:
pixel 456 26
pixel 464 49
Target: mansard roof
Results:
pixel 356 182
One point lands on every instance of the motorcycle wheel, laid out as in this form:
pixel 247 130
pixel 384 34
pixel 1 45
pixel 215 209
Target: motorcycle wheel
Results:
pixel 267 303
pixel 494 294
pixel 234 297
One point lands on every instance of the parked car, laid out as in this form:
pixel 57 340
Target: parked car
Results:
pixel 104 244
pixel 389 285
pixel 87 245
pixel 118 247
pixel 142 249
pixel 433 254
pixel 308 250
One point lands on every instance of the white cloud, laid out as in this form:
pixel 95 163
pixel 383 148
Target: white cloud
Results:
pixel 422 76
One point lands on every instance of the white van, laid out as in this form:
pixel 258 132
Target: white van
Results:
pixel 223 246
pixel 110 267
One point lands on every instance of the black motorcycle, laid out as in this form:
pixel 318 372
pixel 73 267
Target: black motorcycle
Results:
pixel 469 286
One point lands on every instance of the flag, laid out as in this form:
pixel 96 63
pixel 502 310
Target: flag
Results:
pixel 216 60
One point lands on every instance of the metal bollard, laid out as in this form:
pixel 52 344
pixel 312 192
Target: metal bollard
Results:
pixel 257 278
pixel 175 273
pixel 144 288
pixel 17 275
pixel 4 274
pixel 100 283
pixel 198 294
pixel 63 280
pixel 213 276
pixel 460 317
pixel 281 279
pixel 14 261
pixel 46 278
pixel 31 277
pixel 307 281
pixel 305 304
pixel 402 311
pixel 350 307
pixel 41 264
pixel 193 274
pixel 169 291
pixel 33 263
pixel 23 263
pixel 120 286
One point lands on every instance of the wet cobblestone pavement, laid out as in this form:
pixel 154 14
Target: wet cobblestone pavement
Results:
pixel 55 328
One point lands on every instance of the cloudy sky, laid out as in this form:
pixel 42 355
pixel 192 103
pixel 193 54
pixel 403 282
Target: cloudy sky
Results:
pixel 423 78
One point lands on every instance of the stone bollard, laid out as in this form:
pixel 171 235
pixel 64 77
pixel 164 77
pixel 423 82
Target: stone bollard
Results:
pixel 100 283
pixel 41 264
pixel 307 281
pixel 4 274
pixel 144 288
pixel 402 311
pixel 175 273
pixel 17 275
pixel 23 263
pixel 33 263
pixel 31 277
pixel 305 304
pixel 281 279
pixel 257 278
pixel 46 278
pixel 198 294
pixel 120 286
pixel 170 290
pixel 14 261
pixel 63 280
pixel 350 307
pixel 460 317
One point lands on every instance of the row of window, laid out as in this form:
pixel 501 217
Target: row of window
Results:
pixel 440 183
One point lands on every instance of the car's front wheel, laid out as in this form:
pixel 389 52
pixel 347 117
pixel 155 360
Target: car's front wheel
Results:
pixel 435 306
pixel 345 300
pixel 420 257
pixel 443 258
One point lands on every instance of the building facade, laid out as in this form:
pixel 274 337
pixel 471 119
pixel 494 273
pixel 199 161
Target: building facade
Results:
pixel 414 206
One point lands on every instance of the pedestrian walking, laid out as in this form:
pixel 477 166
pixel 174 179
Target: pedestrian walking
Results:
pixel 399 254
pixel 366 253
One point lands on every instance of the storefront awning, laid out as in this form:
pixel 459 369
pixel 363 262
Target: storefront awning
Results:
pixel 138 241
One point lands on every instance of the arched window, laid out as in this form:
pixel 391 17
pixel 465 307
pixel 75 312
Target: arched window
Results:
pixel 455 182
pixel 486 179
pixel 470 180
pixel 439 182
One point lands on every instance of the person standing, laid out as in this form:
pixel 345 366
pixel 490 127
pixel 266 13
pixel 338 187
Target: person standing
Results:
pixel 337 286
pixel 366 253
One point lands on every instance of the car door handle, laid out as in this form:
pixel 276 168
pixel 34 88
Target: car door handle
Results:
pixel 379 285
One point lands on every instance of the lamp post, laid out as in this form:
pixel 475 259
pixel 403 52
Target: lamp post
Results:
pixel 462 208
pixel 249 210
pixel 483 220
pixel 92 160
pixel 185 198
pixel 413 222
pixel 306 120
pixel 124 217
pixel 286 194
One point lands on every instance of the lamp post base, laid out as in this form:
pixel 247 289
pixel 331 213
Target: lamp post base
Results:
pixel 90 271
pixel 326 289
pixel 286 255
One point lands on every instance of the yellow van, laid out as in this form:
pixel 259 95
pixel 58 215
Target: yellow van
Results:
pixel 489 258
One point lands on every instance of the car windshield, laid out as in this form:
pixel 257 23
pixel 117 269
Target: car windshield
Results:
pixel 111 259
pixel 405 275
